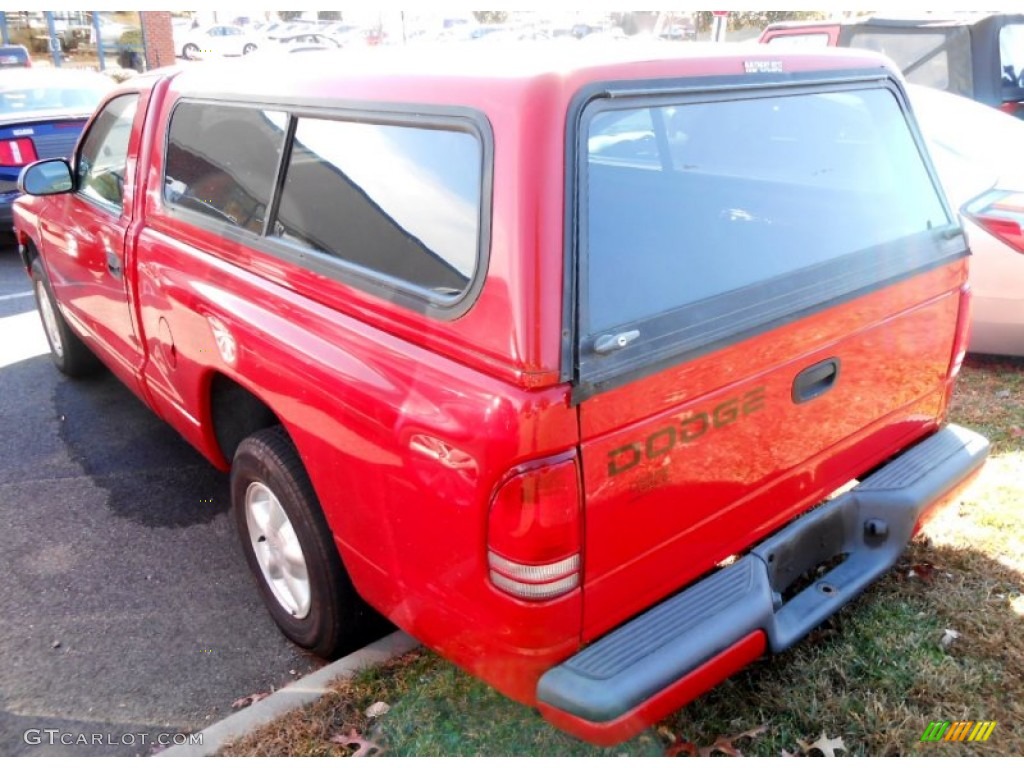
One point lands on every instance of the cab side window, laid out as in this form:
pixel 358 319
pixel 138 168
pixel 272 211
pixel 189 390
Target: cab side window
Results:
pixel 222 160
pixel 99 172
pixel 402 202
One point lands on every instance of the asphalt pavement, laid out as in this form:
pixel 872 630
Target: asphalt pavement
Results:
pixel 127 613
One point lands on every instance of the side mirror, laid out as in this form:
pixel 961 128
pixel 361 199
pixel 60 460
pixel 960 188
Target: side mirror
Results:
pixel 45 177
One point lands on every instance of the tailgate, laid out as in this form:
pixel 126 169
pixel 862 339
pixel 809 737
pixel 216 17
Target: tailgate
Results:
pixel 769 293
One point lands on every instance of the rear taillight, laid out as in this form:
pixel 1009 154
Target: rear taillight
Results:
pixel 17 152
pixel 533 533
pixel 1011 108
pixel 1001 214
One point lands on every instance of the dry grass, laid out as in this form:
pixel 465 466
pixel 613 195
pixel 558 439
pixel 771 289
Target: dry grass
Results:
pixel 308 731
pixel 875 674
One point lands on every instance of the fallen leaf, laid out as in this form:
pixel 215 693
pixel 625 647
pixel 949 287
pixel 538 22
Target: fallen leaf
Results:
pixel 666 733
pixel 1016 431
pixel 363 747
pixel 681 747
pixel 724 744
pixel 1003 393
pixel 246 701
pixel 676 745
pixel 924 571
pixel 377 709
pixel 948 637
pixel 824 744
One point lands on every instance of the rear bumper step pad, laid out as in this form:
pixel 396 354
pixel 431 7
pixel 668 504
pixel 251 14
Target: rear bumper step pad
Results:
pixel 871 525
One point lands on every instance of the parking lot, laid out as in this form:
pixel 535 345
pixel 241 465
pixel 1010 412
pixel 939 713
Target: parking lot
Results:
pixel 662 415
pixel 126 609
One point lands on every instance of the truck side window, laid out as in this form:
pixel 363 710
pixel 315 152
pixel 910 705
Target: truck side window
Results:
pixel 104 154
pixel 359 192
pixel 221 161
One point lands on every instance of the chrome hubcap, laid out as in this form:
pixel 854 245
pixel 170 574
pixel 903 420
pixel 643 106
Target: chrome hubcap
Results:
pixel 48 313
pixel 277 550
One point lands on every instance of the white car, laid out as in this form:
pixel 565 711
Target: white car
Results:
pixel 977 152
pixel 110 31
pixel 217 40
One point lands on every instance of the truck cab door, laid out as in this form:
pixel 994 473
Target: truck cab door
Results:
pixel 85 238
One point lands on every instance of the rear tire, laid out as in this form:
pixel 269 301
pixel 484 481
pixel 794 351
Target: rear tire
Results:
pixel 189 51
pixel 291 551
pixel 249 48
pixel 67 351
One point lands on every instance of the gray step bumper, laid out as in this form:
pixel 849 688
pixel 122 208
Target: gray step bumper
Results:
pixel 870 524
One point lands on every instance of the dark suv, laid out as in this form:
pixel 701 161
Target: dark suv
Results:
pixel 980 56
pixel 14 56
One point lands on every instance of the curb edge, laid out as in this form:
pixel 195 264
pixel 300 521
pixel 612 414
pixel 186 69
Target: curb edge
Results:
pixel 292 696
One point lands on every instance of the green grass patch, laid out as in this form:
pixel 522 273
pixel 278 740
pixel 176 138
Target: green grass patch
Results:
pixel 874 675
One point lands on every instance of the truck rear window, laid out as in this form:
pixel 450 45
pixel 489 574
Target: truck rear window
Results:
pixel 710 219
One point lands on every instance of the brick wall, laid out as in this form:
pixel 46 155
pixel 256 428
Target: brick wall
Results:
pixel 159 38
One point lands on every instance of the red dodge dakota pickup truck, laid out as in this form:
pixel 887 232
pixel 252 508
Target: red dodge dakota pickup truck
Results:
pixel 577 364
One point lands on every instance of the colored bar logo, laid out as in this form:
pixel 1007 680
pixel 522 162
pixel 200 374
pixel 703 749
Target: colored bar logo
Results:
pixel 959 730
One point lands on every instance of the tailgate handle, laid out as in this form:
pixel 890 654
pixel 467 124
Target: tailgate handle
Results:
pixel 612 342
pixel 816 380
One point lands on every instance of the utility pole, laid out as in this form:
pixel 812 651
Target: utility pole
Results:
pixel 54 41
pixel 99 39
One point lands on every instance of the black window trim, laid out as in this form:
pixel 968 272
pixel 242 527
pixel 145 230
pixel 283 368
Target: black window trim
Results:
pixel 379 284
pixel 103 205
pixel 630 365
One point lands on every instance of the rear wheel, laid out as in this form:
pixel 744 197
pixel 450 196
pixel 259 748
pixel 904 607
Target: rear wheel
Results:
pixel 249 48
pixel 190 51
pixel 67 351
pixel 291 551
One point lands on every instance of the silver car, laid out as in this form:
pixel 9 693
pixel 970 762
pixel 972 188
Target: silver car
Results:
pixel 978 153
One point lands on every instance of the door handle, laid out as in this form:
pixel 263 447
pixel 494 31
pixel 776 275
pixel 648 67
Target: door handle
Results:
pixel 815 381
pixel 114 264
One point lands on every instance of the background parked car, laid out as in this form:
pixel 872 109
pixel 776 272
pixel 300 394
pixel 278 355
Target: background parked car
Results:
pixel 345 34
pixel 42 112
pixel 218 40
pixel 112 32
pixel 13 56
pixel 306 41
pixel 278 29
pixel 979 55
pixel 977 151
pixel 685 31
pixel 181 28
